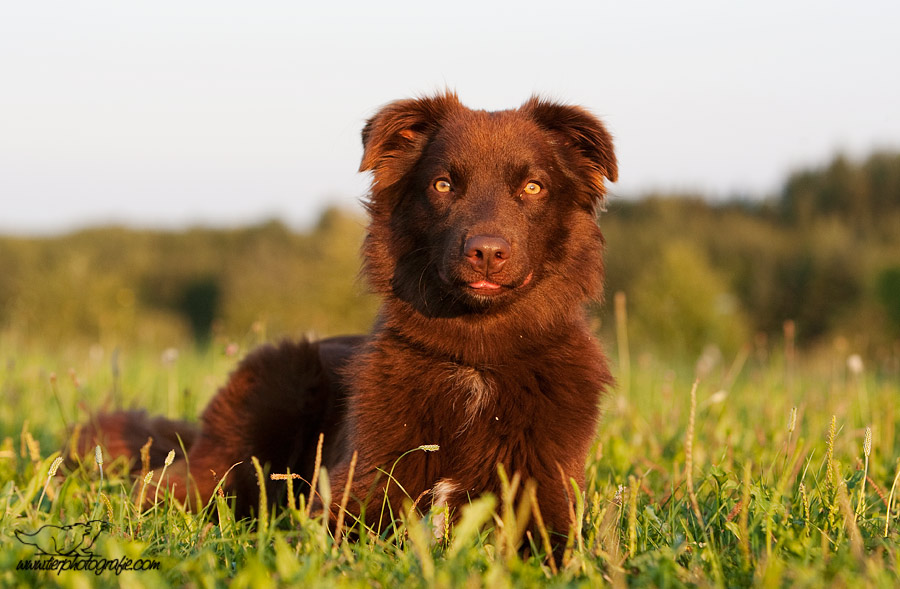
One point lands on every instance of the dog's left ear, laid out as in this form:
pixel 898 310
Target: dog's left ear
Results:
pixel 396 135
pixel 583 132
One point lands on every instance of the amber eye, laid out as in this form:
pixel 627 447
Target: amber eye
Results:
pixel 532 188
pixel 442 186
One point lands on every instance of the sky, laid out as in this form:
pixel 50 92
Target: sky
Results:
pixel 219 113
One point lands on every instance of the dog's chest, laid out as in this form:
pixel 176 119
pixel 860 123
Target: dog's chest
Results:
pixel 404 399
pixel 473 392
pixel 494 403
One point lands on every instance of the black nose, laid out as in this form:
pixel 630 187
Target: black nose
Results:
pixel 487 253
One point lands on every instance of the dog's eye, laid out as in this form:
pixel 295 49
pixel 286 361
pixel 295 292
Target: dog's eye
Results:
pixel 532 188
pixel 442 186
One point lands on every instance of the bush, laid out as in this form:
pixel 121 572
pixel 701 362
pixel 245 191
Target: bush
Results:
pixel 681 305
pixel 888 291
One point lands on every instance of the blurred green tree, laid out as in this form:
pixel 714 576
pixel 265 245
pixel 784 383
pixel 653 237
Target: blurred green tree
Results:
pixel 682 304
pixel 199 303
pixel 888 291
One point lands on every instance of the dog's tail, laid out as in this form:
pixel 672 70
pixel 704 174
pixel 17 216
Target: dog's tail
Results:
pixel 125 433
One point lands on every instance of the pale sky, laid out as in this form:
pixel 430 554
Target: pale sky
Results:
pixel 169 114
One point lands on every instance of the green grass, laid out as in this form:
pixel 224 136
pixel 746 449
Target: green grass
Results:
pixel 753 494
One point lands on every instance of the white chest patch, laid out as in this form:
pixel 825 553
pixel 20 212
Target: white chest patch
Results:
pixel 476 388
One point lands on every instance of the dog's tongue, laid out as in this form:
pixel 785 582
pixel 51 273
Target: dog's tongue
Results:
pixel 484 284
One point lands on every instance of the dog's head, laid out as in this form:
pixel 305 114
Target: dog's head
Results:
pixel 473 210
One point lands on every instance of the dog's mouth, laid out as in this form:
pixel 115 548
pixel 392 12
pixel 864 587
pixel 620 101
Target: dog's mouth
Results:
pixel 485 287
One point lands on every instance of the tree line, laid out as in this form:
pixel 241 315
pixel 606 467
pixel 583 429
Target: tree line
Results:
pixel 824 253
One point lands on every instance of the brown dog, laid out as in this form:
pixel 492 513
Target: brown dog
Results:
pixel 484 248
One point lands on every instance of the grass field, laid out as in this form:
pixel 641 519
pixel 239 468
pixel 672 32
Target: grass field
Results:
pixel 778 470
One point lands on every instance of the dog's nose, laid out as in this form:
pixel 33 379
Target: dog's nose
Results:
pixel 487 253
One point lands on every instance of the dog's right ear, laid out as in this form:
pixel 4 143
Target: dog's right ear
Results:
pixel 395 136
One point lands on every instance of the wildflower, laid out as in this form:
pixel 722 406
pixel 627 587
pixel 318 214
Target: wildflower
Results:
pixel 169 356
pixel 54 467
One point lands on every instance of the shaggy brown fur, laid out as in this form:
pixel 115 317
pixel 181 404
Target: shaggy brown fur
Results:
pixel 484 248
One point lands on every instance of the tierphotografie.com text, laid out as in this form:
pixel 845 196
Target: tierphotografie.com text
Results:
pixel 87 563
